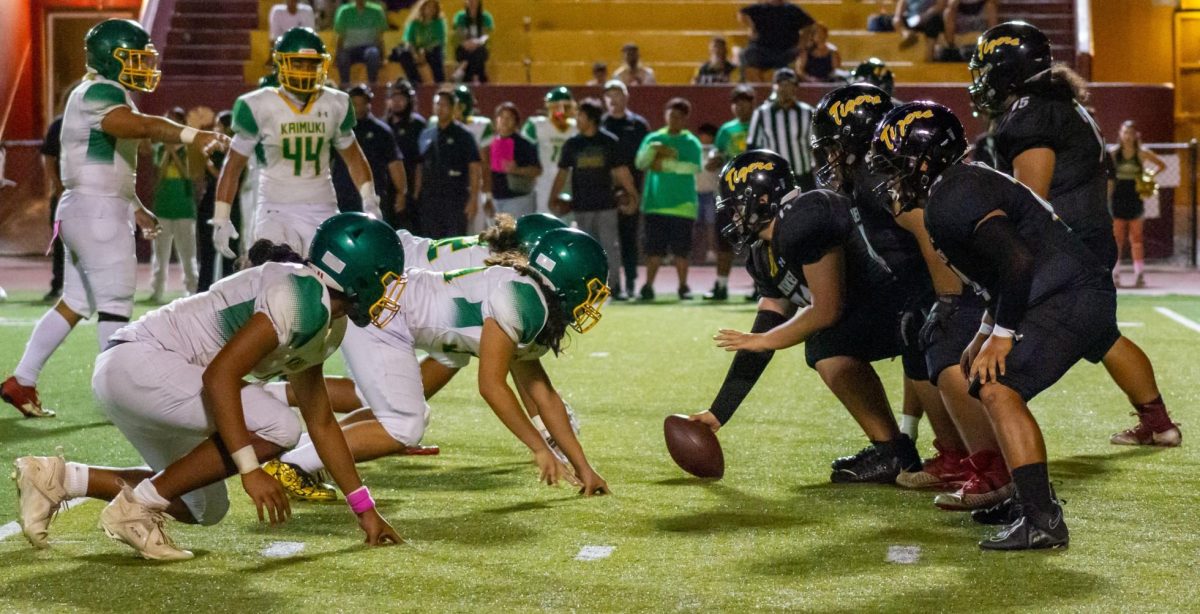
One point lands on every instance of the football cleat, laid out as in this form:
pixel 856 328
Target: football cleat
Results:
pixel 718 293
pixel 1153 429
pixel 880 464
pixel 989 483
pixel 843 462
pixel 40 494
pixel 944 470
pixel 419 450
pixel 1005 512
pixel 298 483
pixel 128 521
pixel 24 398
pixel 1031 530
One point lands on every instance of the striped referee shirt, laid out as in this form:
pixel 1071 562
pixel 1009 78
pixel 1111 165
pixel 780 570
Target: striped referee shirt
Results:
pixel 785 131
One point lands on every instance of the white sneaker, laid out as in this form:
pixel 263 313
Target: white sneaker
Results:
pixel 571 417
pixel 126 520
pixel 40 494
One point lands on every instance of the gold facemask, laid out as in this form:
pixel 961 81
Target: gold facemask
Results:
pixel 587 313
pixel 139 68
pixel 388 305
pixel 302 72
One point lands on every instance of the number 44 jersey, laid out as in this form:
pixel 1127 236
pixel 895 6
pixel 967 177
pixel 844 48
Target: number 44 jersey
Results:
pixel 297 141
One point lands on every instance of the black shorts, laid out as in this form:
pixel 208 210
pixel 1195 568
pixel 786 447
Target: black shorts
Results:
pixel 765 58
pixel 1126 203
pixel 1073 324
pixel 663 234
pixel 869 330
pixel 933 27
pixel 946 347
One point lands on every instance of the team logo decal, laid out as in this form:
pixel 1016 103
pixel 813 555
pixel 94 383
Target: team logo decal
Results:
pixel 891 134
pixel 738 175
pixel 840 110
pixel 990 46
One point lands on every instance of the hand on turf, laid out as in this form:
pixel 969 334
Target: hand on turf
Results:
pixel 593 484
pixel 223 232
pixel 379 532
pixel 146 222
pixel 551 470
pixel 969 354
pixel 267 494
pixel 734 340
pixel 989 363
pixel 708 419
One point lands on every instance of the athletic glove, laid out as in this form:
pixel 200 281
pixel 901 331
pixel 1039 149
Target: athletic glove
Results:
pixel 223 229
pixel 370 200
pixel 938 318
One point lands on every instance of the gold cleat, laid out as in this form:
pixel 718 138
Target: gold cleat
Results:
pixel 300 484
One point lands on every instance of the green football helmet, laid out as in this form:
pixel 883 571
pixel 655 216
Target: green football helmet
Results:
pixel 575 265
pixel 270 79
pixel 559 94
pixel 531 227
pixel 120 50
pixel 361 257
pixel 464 100
pixel 301 61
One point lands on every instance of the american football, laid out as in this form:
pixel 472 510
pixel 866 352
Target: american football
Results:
pixel 694 447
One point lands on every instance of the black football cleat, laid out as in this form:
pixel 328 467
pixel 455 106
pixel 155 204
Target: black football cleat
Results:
pixel 874 467
pixel 1004 512
pixel 718 293
pixel 1032 530
pixel 843 462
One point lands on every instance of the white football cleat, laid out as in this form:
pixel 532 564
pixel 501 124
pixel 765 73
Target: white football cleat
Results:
pixel 128 521
pixel 40 494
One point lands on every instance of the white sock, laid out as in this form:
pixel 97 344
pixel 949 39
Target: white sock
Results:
pixel 106 329
pixel 49 333
pixel 908 425
pixel 277 390
pixel 723 281
pixel 76 480
pixel 1139 266
pixel 147 495
pixel 305 457
pixel 539 425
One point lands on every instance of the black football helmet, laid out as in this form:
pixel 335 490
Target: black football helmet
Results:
pixel 1005 57
pixel 875 72
pixel 752 186
pixel 914 143
pixel 843 125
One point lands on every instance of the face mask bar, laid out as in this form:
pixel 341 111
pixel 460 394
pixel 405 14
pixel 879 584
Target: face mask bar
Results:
pixel 744 224
pixel 304 72
pixel 587 314
pixel 139 68
pixel 388 305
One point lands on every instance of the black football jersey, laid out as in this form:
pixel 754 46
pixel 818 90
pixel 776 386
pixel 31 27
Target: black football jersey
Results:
pixel 966 193
pixel 1078 189
pixel 894 248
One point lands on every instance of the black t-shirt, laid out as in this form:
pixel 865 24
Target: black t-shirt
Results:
pixel 1050 118
pixel 446 157
pixel 808 226
pixel 966 193
pixel 378 144
pixel 630 131
pixel 591 160
pixel 525 153
pixel 408 134
pixel 52 145
pixel 709 73
pixel 777 27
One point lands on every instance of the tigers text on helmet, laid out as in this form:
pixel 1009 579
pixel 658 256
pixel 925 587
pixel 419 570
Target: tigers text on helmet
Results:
pixel 1005 57
pixel 576 268
pixel 532 226
pixel 752 186
pixel 843 125
pixel 362 258
pixel 875 72
pixel 120 50
pixel 914 143
pixel 301 61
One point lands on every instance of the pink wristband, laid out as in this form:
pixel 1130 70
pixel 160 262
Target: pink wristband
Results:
pixel 360 500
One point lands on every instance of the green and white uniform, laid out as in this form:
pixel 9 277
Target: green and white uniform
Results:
pixel 296 143
pixel 150 383
pixel 442 254
pixel 549 140
pixel 481 129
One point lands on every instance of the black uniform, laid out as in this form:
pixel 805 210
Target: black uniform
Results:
pixel 808 226
pixel 446 158
pixel 52 148
pixel 1048 116
pixel 379 147
pixel 1070 312
pixel 408 127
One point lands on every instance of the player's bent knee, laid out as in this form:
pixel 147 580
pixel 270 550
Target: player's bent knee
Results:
pixel 214 511
pixel 406 428
pixel 284 432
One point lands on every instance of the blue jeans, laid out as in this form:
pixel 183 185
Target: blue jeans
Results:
pixel 366 54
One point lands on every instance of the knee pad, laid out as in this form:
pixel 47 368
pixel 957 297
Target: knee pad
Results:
pixel 209 508
pixel 284 433
pixel 407 428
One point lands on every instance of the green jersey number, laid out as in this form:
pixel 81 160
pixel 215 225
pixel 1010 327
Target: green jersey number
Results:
pixel 449 276
pixel 301 149
pixel 454 243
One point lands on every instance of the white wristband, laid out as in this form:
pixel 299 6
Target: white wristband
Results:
pixel 221 210
pixel 245 459
pixel 985 329
pixel 187 135
pixel 1000 331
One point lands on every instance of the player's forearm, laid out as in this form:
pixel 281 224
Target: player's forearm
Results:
pixel 554 416
pixel 806 323
pixel 326 433
pixel 231 172
pixel 399 177
pixel 504 404
pixel 222 398
pixel 745 369
pixel 356 165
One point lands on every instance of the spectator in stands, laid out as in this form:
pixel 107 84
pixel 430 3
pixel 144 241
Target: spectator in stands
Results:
pixel 1131 164
pixel 513 162
pixel 51 150
pixel 472 28
pixel 916 17
pixel 378 144
pixel 360 26
pixel 718 67
pixel 407 125
pixel 207 272
pixel 176 212
pixel 632 72
pixel 288 15
pixel 819 61
pixel 730 143
pixel 424 43
pixel 592 162
pixel 447 182
pixel 966 16
pixel 782 124
pixel 671 158
pixel 630 129
pixel 599 74
pixel 775 27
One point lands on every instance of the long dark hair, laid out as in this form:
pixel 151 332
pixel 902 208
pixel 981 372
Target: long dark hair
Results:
pixel 474 22
pixel 264 251
pixel 555 330
pixel 1060 82
pixel 502 237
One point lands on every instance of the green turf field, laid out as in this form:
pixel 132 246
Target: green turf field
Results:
pixel 773 534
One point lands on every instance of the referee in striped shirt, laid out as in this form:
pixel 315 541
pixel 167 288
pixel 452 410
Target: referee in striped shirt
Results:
pixel 782 124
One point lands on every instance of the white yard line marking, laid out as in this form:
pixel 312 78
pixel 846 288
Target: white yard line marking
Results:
pixel 598 355
pixel 14 528
pixel 1187 323
pixel 1130 324
pixel 594 553
pixel 282 550
pixel 903 555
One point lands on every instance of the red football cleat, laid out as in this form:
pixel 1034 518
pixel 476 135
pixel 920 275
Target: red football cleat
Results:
pixel 945 470
pixel 1154 428
pixel 422 451
pixel 24 398
pixel 989 483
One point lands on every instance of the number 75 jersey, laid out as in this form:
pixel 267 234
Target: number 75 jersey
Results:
pixel 294 144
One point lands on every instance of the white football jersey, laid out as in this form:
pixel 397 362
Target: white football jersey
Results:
pixel 443 312
pixel 91 161
pixel 296 143
pixel 481 129
pixel 549 140
pixel 442 254
pixel 291 295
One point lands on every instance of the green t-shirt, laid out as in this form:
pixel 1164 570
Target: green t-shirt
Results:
pixel 673 191
pixel 731 138
pixel 358 29
pixel 173 198
pixel 464 30
pixel 426 35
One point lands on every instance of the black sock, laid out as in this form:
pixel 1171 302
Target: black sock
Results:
pixel 901 447
pixel 1033 486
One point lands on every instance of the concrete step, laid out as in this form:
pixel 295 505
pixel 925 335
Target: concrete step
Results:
pixel 203 21
pixel 229 69
pixel 202 36
pixel 208 52
pixel 218 7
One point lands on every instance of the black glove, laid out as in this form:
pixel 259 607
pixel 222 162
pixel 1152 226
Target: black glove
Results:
pixel 938 318
pixel 910 326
